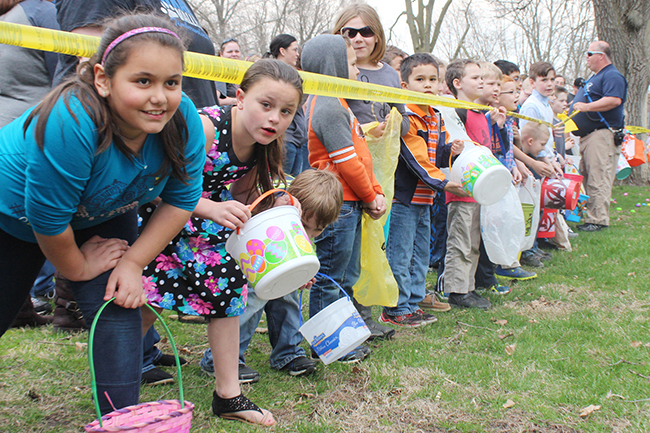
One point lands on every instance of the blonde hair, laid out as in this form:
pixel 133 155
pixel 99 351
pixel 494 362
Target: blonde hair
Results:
pixel 369 16
pixel 489 70
pixel 320 194
pixel 536 131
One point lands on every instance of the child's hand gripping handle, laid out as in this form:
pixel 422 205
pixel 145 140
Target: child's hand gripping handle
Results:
pixel 263 196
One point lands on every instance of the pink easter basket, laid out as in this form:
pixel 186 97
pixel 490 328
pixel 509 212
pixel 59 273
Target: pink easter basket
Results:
pixel 169 416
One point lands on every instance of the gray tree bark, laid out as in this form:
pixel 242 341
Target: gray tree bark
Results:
pixel 624 24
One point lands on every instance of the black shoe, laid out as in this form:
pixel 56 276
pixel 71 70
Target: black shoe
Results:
pixel 469 300
pixel 590 227
pixel 247 374
pixel 379 332
pixel 169 361
pixel 358 354
pixel 300 366
pixel 156 376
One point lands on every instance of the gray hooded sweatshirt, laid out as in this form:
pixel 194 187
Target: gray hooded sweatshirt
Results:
pixel 328 55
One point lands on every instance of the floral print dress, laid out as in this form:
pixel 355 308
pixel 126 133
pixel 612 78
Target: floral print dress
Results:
pixel 194 274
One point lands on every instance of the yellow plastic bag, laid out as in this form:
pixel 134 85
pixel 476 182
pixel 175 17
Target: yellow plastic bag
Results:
pixel 376 284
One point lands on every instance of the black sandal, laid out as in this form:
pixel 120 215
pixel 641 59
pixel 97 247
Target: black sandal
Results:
pixel 229 408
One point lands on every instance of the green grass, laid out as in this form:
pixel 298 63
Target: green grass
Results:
pixel 581 331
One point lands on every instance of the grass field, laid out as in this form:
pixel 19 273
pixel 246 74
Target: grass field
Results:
pixel 576 336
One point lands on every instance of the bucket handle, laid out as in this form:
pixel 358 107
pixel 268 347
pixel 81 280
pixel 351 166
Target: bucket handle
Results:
pixel 91 339
pixel 451 155
pixel 263 196
pixel 329 278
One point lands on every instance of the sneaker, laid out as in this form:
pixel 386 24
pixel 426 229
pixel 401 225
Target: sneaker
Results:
pixel 300 366
pixel 247 374
pixel 156 376
pixel 41 305
pixel 430 302
pixel 590 227
pixel 407 320
pixel 497 289
pixel 543 255
pixel 426 318
pixel 167 360
pixel 528 258
pixel 443 296
pixel 468 300
pixel 517 273
pixel 358 354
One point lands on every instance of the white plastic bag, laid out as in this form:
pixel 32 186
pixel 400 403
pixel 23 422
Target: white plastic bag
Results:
pixel 502 229
pixel 530 195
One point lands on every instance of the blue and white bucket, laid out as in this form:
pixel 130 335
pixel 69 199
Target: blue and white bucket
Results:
pixel 336 330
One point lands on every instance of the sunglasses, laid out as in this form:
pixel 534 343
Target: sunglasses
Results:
pixel 351 32
pixel 228 41
pixel 591 53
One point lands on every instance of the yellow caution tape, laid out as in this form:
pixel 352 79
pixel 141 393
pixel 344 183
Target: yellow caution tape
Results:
pixel 637 129
pixel 232 71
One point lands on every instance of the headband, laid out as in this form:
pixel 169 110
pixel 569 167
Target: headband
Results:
pixel 134 32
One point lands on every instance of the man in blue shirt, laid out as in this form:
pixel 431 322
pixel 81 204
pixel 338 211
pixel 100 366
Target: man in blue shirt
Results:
pixel 600 102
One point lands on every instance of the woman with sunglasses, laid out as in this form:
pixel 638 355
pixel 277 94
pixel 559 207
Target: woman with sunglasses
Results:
pixel 230 50
pixel 361 24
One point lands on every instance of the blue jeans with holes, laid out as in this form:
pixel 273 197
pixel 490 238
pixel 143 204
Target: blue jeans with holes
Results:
pixel 338 249
pixel 283 318
pixel 407 250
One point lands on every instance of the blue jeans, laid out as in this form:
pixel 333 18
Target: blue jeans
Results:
pixel 283 318
pixel 407 251
pixel 293 159
pixel 150 353
pixel 118 336
pixel 44 283
pixel 338 249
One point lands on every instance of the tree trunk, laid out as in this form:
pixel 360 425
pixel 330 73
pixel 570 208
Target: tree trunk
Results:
pixel 624 25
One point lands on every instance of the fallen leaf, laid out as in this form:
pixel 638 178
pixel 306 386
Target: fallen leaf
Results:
pixel 262 330
pixel 623 292
pixel 33 395
pixel 81 346
pixel 504 336
pixel 508 404
pixel 585 412
pixel 575 277
pixel 636 344
pixel 585 255
pixel 438 396
pixel 533 321
pixel 632 274
pixel 501 322
pixel 510 349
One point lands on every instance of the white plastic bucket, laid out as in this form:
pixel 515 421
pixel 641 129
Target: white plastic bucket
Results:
pixel 274 252
pixel 335 331
pixel 623 168
pixel 482 176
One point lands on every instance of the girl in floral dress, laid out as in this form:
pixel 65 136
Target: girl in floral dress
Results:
pixel 194 275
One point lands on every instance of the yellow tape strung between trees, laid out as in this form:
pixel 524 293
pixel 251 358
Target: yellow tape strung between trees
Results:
pixel 232 71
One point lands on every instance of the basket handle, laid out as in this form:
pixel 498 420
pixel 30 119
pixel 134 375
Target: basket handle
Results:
pixel 263 196
pixel 91 338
